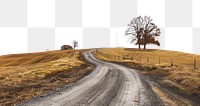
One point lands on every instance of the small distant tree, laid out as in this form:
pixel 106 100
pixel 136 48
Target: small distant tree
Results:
pixel 75 44
pixel 143 31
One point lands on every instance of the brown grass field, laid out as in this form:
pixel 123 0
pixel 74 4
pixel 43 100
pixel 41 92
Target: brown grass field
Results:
pixel 181 74
pixel 23 76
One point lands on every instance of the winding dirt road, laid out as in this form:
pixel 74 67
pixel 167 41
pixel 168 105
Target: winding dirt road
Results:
pixel 108 85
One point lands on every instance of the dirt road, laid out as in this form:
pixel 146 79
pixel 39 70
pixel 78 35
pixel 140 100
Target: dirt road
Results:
pixel 108 85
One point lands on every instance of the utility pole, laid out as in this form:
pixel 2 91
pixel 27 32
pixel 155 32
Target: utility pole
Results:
pixel 117 39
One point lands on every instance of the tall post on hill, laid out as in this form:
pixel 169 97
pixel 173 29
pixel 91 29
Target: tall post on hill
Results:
pixel 195 62
pixel 172 62
pixel 117 39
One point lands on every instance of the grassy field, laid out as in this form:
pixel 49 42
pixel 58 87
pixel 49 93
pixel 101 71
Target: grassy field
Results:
pixel 23 76
pixel 175 68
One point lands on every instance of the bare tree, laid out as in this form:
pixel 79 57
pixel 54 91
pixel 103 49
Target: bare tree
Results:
pixel 133 32
pixel 142 31
pixel 75 44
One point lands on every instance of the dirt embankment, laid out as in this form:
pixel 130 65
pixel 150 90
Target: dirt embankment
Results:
pixel 20 82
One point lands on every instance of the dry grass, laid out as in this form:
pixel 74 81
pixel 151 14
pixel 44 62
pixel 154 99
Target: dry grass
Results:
pixel 23 76
pixel 33 58
pixel 169 101
pixel 181 74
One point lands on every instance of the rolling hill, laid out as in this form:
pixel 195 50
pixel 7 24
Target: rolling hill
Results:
pixel 23 76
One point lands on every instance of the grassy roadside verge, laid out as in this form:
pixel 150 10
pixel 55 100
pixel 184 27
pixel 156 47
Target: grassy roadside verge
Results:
pixel 181 75
pixel 24 76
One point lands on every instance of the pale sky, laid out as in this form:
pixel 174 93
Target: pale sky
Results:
pixel 97 15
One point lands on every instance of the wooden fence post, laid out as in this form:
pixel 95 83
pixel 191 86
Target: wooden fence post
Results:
pixel 195 62
pixel 147 59
pixel 172 62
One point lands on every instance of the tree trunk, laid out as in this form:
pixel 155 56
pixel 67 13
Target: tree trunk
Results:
pixel 144 46
pixel 139 43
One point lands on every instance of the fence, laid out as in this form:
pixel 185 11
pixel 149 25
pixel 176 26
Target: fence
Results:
pixel 146 59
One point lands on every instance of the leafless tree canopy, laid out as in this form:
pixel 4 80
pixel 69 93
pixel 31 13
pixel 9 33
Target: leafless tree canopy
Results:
pixel 75 44
pixel 143 31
